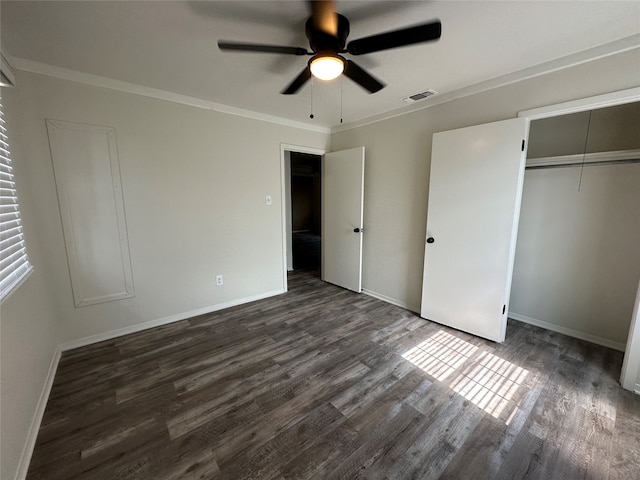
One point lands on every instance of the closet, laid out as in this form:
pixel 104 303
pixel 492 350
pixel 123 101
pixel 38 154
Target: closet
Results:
pixel 577 261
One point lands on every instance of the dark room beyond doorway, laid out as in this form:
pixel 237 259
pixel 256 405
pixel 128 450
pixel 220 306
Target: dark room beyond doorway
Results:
pixel 306 218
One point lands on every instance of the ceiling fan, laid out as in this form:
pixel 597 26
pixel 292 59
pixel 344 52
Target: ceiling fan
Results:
pixel 327 32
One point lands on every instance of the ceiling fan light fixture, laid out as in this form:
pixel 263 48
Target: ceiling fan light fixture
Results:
pixel 327 67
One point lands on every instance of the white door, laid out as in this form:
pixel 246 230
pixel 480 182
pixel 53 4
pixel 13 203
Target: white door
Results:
pixel 475 190
pixel 342 213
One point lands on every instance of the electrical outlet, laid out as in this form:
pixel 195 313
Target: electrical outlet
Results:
pixel 219 280
pixel 267 200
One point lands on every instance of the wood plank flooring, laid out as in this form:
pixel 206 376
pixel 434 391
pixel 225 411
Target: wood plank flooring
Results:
pixel 321 383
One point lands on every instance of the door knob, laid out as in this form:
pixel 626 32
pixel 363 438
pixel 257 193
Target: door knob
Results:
pixel 430 240
pixel 358 230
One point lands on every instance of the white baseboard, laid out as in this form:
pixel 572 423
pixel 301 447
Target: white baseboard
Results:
pixel 637 389
pixel 569 332
pixel 390 300
pixel 36 420
pixel 101 337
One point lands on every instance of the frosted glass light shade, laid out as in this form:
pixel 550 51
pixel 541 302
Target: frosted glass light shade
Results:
pixel 327 68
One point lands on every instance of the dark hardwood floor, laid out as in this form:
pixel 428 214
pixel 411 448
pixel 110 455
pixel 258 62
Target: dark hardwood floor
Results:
pixel 321 383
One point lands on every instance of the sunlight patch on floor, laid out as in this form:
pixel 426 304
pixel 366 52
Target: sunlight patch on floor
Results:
pixel 441 354
pixel 490 383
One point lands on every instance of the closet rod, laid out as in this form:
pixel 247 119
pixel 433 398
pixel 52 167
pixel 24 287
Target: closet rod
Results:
pixel 578 164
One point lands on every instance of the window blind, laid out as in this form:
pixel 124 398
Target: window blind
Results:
pixel 14 263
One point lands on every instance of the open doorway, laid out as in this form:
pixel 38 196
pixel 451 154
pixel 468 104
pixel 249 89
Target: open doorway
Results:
pixel 324 205
pixel 305 182
pixel 286 151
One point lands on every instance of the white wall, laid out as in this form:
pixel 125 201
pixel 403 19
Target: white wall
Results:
pixel 398 158
pixel 194 184
pixel 29 331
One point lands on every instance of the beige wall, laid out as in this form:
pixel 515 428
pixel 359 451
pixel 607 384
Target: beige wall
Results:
pixel 613 128
pixel 398 156
pixel 29 327
pixel 194 184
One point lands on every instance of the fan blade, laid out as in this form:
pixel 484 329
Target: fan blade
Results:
pixel 396 38
pixel 256 47
pixel 324 17
pixel 362 78
pixel 299 81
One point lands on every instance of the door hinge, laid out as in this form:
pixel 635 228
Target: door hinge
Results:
pixel 504 308
pixel 523 145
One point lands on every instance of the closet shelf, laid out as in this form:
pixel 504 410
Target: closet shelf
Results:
pixel 599 158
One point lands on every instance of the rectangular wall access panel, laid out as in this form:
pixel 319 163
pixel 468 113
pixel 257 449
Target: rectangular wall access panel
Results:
pixel 87 174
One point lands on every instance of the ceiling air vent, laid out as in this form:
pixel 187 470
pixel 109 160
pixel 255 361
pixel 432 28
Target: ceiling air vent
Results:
pixel 419 96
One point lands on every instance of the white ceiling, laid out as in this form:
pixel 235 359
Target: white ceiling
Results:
pixel 171 46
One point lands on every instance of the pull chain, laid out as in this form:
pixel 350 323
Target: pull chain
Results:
pixel 584 151
pixel 341 85
pixel 311 115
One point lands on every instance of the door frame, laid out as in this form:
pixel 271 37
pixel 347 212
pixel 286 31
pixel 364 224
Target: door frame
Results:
pixel 630 375
pixel 285 198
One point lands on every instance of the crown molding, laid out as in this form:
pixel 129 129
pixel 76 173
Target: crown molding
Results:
pixel 621 97
pixel 7 78
pixel 602 51
pixel 40 68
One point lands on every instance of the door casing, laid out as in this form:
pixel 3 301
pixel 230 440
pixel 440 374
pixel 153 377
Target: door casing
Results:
pixel 285 198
